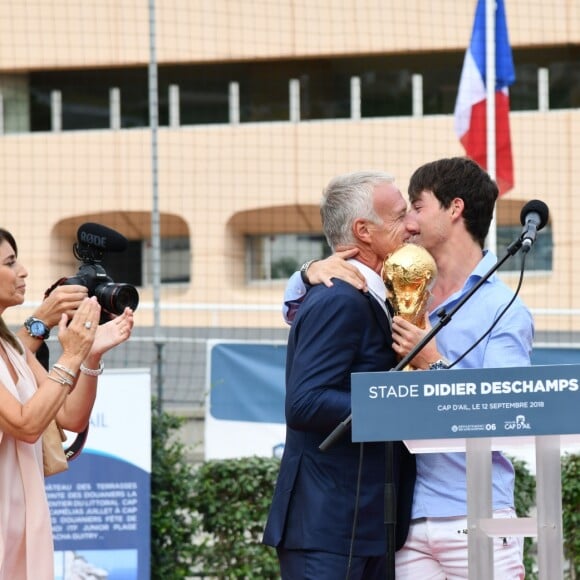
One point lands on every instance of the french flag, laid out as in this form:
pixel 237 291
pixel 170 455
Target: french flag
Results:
pixel 470 107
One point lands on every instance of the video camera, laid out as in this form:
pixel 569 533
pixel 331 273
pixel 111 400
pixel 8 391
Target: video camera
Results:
pixel 93 241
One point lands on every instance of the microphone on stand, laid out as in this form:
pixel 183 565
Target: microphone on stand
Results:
pixel 534 216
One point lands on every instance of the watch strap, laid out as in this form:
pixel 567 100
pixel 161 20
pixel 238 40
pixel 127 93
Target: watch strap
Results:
pixel 304 271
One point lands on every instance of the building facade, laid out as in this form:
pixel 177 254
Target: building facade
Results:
pixel 260 103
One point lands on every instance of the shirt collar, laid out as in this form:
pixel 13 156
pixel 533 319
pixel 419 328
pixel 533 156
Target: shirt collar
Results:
pixel 374 281
pixel 487 262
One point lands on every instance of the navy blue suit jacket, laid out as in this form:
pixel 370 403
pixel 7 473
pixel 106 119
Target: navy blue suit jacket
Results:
pixel 337 331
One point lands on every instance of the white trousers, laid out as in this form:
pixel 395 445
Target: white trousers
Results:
pixel 436 549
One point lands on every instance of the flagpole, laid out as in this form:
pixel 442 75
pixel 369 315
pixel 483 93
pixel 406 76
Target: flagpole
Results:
pixel 490 58
pixel 478 451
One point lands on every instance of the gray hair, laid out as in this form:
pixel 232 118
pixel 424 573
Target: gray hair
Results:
pixel 346 198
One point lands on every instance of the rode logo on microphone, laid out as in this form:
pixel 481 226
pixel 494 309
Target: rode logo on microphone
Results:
pixel 101 238
pixel 93 239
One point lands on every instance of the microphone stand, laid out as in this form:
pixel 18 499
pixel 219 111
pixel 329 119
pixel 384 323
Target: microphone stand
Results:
pixel 390 508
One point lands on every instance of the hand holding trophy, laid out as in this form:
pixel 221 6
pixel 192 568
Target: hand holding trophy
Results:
pixel 409 274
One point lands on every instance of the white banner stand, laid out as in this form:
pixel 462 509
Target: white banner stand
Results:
pixel 547 526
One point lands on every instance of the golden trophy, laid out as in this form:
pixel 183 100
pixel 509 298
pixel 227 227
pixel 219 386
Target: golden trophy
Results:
pixel 409 274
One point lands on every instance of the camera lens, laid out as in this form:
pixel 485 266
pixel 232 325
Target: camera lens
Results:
pixel 114 298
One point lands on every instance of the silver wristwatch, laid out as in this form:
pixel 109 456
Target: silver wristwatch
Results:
pixel 441 364
pixel 304 271
pixel 37 328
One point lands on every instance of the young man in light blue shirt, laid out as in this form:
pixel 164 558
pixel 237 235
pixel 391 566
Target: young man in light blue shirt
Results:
pixel 452 202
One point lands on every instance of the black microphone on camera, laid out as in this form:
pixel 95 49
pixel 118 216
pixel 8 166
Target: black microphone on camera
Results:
pixel 101 237
pixel 534 216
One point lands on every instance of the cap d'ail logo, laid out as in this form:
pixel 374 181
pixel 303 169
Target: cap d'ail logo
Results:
pixel 519 423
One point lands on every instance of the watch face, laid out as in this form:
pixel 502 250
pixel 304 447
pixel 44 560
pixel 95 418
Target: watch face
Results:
pixel 37 328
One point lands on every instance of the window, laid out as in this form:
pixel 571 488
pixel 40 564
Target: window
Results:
pixel 126 267
pixel 278 256
pixel 539 258
pixel 133 266
pixel 203 97
pixel 386 88
pixel 325 94
pixel 85 98
pixel 386 93
pixel 175 261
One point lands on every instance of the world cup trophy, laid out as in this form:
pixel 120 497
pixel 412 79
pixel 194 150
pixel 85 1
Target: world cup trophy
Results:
pixel 409 274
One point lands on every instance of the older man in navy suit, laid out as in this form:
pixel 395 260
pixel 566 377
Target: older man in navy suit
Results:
pixel 337 331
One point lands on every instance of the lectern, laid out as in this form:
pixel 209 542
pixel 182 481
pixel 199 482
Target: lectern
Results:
pixel 477 411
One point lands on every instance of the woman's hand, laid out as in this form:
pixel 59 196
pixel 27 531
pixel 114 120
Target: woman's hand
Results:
pixel 76 410
pixel 63 299
pixel 113 333
pixel 77 336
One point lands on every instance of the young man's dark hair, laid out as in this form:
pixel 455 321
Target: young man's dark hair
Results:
pixel 459 177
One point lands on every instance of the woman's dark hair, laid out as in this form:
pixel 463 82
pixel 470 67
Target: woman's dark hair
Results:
pixel 5 333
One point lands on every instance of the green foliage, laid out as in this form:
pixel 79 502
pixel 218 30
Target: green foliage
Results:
pixel 173 550
pixel 207 521
pixel 525 499
pixel 525 495
pixel 571 511
pixel 233 498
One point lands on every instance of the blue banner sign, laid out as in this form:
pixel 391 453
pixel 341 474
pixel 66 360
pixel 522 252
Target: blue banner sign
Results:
pixel 100 506
pixel 460 403
pixel 244 414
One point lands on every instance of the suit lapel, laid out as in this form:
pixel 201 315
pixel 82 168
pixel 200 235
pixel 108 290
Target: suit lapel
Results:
pixel 381 316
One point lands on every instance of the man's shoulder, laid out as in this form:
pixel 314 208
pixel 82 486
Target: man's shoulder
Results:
pixel 339 290
pixel 496 298
pixel 340 297
pixel 501 293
